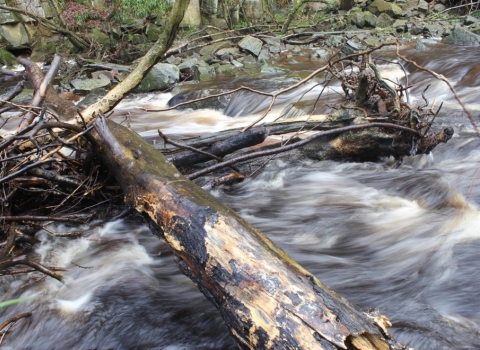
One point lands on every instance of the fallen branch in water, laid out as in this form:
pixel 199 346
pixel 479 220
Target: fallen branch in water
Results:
pixel 267 300
pixel 299 144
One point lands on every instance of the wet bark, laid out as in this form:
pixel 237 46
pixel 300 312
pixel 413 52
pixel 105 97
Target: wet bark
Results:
pixel 267 299
pixel 249 138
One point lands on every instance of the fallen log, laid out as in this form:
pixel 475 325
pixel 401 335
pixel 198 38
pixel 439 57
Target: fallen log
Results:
pixel 249 138
pixel 267 300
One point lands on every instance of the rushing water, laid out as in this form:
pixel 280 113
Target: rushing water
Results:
pixel 401 239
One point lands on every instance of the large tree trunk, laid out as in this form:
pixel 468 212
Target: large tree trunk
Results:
pixel 267 300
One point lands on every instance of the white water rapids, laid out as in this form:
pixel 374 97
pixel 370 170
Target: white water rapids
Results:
pixel 404 240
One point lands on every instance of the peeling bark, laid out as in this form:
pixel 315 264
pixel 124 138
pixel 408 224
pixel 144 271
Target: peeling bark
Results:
pixel 267 299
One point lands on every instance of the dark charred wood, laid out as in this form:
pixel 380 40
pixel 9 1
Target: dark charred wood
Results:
pixel 249 138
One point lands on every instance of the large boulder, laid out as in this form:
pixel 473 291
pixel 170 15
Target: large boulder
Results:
pixel 460 36
pixel 152 32
pixel 97 36
pixel 381 6
pixel 251 44
pixel 83 86
pixel 161 76
pixel 209 50
pixel 15 35
pixel 384 21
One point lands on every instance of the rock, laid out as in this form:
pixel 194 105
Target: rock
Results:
pixel 209 50
pixel 274 44
pixel 400 25
pixel 470 20
pixel 263 56
pixel 236 64
pixel 384 21
pixel 248 61
pixel 202 73
pixel 433 30
pixel 82 86
pixel 97 36
pixel 251 44
pixel 370 19
pixel 439 7
pixel 161 76
pixel 229 51
pixel 422 6
pixel 373 42
pixel 7 17
pixel 137 39
pixel 152 32
pixel 226 69
pixel 358 19
pixel 129 25
pixel 322 53
pixel 92 97
pixel 416 29
pixel 15 34
pixel 252 9
pixel 7 58
pixel 335 40
pixel 188 63
pixel 174 60
pixel 381 6
pixel 460 36
pixel 419 45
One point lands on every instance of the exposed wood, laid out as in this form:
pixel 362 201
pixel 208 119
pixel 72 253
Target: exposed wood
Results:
pixel 43 86
pixel 62 107
pixel 267 300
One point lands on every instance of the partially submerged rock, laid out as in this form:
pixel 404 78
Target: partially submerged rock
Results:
pixel 161 76
pixel 460 36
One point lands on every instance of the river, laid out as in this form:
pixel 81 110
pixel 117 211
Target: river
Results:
pixel 402 239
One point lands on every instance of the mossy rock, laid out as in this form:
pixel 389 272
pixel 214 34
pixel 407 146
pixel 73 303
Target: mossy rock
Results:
pixel 7 58
pixel 99 37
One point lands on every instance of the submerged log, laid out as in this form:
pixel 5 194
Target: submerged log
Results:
pixel 267 299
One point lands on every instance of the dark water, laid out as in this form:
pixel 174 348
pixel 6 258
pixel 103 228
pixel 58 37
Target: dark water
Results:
pixel 404 240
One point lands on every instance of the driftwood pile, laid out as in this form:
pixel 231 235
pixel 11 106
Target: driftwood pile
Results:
pixel 60 163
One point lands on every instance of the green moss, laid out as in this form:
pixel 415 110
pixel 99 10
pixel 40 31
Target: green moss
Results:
pixel 7 58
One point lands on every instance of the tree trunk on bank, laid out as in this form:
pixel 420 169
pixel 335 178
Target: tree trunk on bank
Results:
pixel 267 300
